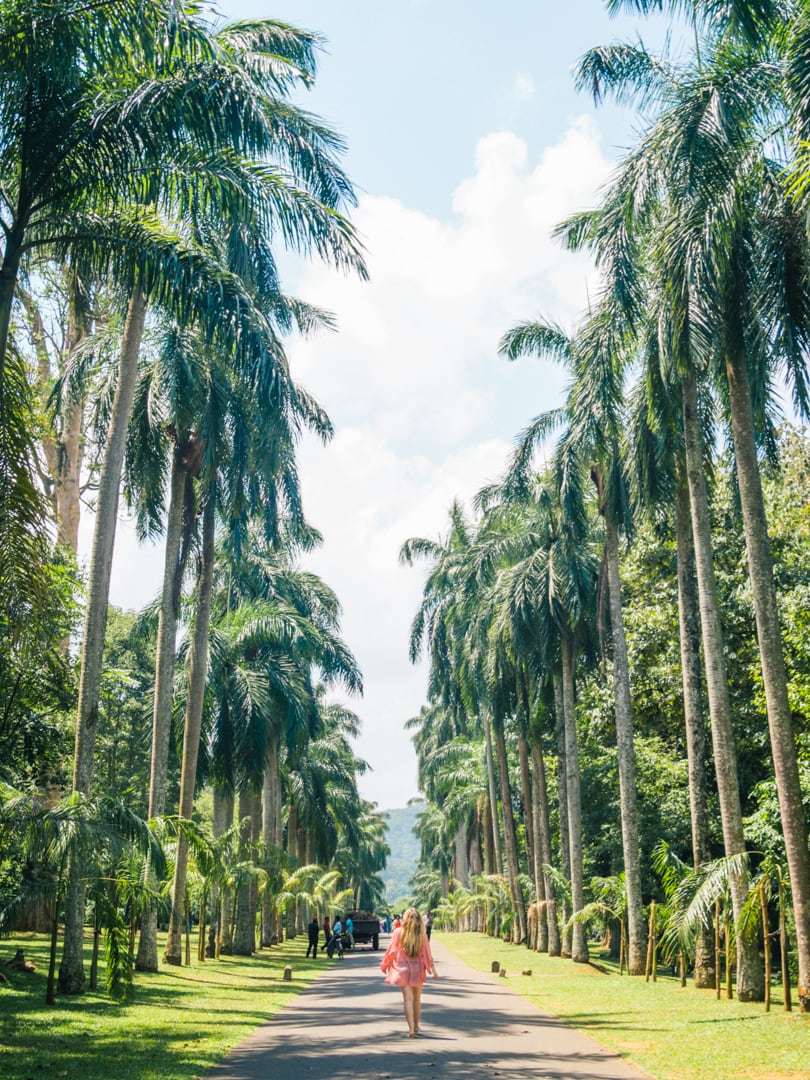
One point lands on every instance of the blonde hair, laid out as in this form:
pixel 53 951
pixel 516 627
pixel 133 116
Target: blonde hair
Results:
pixel 412 932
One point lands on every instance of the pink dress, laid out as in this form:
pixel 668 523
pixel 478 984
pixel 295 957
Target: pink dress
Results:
pixel 404 970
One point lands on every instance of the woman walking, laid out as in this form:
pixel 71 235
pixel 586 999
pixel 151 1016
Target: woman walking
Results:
pixel 407 963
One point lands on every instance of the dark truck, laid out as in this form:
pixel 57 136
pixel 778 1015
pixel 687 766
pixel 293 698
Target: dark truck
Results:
pixel 366 928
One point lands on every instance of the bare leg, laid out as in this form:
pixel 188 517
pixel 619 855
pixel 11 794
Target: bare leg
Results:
pixel 407 1000
pixel 417 1006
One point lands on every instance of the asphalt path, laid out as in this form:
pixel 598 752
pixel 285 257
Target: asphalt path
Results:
pixel 348 1023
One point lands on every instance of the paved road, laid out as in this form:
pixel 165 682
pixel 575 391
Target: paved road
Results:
pixel 350 1024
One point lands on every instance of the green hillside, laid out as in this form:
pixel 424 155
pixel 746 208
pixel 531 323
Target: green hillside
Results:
pixel 404 850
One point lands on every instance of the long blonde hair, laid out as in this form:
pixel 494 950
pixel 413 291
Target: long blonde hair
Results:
pixel 412 932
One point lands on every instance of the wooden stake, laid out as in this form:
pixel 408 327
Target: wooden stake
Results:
pixel 766 942
pixel 783 948
pixel 201 941
pixel 187 907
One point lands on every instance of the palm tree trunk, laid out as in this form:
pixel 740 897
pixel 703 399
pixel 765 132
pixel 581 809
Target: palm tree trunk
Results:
pixel 750 974
pixel 12 253
pixel 689 631
pixel 244 939
pixel 579 946
pixel 522 717
pixel 493 794
pixel 223 820
pixel 220 825
pixel 476 861
pixel 198 672
pixel 292 855
pixel 774 675
pixel 542 834
pixel 562 800
pixel 71 972
pixel 461 869
pixel 510 840
pixel 490 865
pixel 164 688
pixel 67 477
pixel 627 757
pixel 271 833
pixel 63 451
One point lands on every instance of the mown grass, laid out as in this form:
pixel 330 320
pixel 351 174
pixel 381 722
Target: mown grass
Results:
pixel 180 1022
pixel 672 1033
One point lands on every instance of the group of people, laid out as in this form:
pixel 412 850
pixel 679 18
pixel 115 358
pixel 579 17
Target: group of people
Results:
pixel 390 923
pixel 335 935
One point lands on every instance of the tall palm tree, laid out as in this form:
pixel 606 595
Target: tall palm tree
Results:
pixel 731 246
pixel 441 624
pixel 591 444
pixel 461 662
pixel 302 206
pixel 545 592
pixel 660 479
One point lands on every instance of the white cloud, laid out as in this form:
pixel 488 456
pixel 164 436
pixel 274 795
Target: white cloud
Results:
pixel 425 409
pixel 524 89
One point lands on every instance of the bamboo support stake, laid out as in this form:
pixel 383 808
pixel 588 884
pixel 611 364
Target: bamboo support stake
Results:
pixel 201 941
pixel 717 948
pixel 622 946
pixel 766 942
pixel 727 934
pixel 783 948
pixel 650 941
pixel 187 906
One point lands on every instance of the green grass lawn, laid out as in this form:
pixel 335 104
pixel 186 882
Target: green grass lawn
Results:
pixel 672 1033
pixel 181 1021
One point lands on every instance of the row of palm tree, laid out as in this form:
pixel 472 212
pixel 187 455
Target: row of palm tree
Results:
pixel 155 164
pixel 701 240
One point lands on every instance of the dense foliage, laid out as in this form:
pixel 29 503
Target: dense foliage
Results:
pixel 155 166
pixel 597 627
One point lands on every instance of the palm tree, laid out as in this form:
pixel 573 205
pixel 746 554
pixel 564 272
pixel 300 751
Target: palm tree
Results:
pixel 274 626
pixel 303 207
pixel 457 624
pixel 591 443
pixel 731 235
pixel 441 624
pixel 658 457
pixel 544 593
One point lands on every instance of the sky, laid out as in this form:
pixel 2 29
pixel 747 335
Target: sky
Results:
pixel 467 142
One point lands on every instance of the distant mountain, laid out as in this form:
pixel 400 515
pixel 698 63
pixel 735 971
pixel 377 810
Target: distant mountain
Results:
pixel 404 846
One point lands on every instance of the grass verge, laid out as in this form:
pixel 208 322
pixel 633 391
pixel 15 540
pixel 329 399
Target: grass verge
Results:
pixel 180 1022
pixel 670 1032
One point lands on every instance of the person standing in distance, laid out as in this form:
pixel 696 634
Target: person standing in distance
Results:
pixel 428 924
pixel 313 930
pixel 407 963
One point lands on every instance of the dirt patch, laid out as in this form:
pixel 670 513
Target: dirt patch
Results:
pixel 638 1047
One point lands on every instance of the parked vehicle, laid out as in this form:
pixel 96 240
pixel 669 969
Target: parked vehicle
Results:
pixel 366 928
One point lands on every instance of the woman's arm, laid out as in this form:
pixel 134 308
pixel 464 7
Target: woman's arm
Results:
pixel 390 953
pixel 428 963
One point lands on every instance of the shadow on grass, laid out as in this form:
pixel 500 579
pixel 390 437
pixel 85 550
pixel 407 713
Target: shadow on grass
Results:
pixel 179 1023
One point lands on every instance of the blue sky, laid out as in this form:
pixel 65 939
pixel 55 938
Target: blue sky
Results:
pixel 467 143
